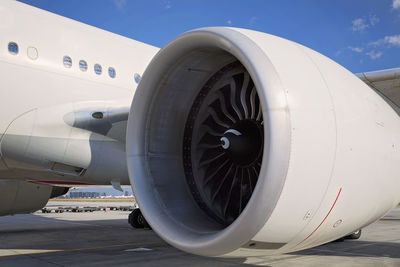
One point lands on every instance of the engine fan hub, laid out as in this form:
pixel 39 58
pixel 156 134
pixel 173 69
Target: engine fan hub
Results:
pixel 243 142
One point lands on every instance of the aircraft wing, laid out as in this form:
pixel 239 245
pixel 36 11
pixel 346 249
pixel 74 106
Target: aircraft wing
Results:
pixel 386 83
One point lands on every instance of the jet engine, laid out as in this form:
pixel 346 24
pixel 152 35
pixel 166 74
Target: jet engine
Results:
pixel 24 197
pixel 242 143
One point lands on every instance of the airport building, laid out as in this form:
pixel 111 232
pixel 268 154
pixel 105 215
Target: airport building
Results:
pixel 85 194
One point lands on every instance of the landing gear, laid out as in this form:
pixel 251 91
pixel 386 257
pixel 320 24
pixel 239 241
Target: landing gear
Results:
pixel 355 235
pixel 137 220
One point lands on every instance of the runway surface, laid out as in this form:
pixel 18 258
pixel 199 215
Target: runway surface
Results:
pixel 106 239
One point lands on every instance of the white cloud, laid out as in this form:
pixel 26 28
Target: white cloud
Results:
pixel 377 42
pixel 396 4
pixel 374 55
pixel 167 4
pixel 356 49
pixel 253 21
pixel 373 19
pixel 390 40
pixel 359 25
pixel 229 21
pixel 120 3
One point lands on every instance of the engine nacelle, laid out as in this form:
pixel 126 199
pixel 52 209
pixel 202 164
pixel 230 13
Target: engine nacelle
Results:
pixel 22 197
pixel 243 143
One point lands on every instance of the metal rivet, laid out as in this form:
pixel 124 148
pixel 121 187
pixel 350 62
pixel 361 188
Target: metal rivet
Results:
pixel 308 215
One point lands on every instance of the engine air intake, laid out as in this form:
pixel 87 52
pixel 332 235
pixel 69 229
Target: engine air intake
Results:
pixel 223 141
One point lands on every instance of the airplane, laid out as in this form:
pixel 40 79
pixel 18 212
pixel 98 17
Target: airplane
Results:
pixel 235 142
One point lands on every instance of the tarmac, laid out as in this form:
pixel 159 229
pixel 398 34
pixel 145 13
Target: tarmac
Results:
pixel 105 238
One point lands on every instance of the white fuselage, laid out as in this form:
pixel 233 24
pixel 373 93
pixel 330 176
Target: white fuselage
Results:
pixel 46 128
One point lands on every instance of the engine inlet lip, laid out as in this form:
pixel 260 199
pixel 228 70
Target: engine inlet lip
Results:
pixel 277 138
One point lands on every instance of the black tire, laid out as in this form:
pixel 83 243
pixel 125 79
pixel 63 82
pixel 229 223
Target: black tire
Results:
pixel 136 219
pixel 353 236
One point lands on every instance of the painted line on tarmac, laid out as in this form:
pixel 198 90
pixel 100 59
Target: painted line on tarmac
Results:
pixel 79 249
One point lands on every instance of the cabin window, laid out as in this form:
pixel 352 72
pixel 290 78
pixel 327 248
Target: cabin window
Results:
pixel 32 53
pixel 111 72
pixel 67 62
pixel 137 77
pixel 82 65
pixel 13 48
pixel 97 69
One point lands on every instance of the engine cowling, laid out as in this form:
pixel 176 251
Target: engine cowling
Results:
pixel 243 143
pixel 22 197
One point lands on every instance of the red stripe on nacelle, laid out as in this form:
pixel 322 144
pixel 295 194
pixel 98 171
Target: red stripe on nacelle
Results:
pixel 333 205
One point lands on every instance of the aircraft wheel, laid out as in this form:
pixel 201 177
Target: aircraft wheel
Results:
pixel 355 235
pixel 137 220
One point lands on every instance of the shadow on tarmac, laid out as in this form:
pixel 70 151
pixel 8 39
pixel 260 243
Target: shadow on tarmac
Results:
pixel 105 242
pixel 358 248
pixel 100 242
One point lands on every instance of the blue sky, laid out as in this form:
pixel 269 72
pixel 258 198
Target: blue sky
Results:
pixel 362 35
